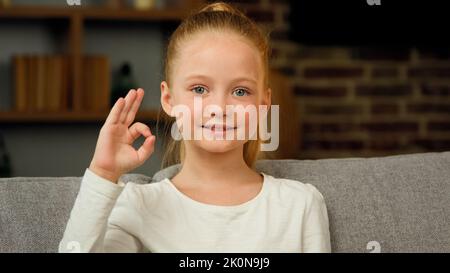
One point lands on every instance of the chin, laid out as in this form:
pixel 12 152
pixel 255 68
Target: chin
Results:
pixel 219 146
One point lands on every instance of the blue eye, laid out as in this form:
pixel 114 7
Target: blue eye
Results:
pixel 198 88
pixel 242 93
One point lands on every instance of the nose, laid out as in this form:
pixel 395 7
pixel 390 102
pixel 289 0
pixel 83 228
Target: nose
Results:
pixel 220 99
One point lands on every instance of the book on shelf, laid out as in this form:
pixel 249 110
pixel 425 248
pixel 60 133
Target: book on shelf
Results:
pixel 96 83
pixel 40 82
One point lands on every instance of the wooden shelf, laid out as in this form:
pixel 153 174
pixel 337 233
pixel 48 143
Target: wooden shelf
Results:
pixel 58 117
pixel 23 12
pixel 76 28
pixel 135 15
pixel 92 13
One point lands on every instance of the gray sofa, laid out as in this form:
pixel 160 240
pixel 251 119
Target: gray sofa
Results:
pixel 386 204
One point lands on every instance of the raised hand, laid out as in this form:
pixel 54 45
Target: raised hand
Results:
pixel 114 154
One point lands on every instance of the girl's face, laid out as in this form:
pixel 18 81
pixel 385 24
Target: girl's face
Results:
pixel 217 69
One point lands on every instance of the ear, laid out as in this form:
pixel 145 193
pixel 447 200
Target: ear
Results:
pixel 166 98
pixel 267 99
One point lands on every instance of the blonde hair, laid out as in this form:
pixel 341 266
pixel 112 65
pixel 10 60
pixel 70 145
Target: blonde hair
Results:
pixel 214 16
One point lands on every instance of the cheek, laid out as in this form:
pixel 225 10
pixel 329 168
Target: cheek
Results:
pixel 196 115
pixel 182 100
pixel 251 117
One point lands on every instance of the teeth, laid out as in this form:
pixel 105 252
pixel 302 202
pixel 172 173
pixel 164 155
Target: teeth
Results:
pixel 213 127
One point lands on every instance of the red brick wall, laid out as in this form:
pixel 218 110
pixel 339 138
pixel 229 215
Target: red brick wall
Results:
pixel 360 101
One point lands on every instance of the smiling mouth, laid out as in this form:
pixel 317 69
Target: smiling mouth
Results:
pixel 218 128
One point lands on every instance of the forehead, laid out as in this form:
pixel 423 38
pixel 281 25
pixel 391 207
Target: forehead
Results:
pixel 222 55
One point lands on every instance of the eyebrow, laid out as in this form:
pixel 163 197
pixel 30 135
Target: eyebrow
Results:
pixel 199 76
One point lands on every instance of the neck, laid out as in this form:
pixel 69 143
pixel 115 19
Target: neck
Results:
pixel 201 167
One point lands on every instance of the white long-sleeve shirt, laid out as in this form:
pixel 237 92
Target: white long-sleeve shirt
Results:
pixel 285 216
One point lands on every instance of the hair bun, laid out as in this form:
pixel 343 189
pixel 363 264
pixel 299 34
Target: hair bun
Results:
pixel 222 6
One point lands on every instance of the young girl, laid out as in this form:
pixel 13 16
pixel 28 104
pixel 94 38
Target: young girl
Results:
pixel 217 202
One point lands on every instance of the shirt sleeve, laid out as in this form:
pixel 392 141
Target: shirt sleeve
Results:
pixel 88 228
pixel 316 232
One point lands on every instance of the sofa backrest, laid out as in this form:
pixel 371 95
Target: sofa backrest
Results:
pixel 383 204
pixel 395 203
pixel 34 211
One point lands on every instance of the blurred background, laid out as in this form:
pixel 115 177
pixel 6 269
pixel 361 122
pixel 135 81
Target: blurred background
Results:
pixel 356 79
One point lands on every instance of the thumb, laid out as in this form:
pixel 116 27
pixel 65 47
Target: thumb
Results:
pixel 146 149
